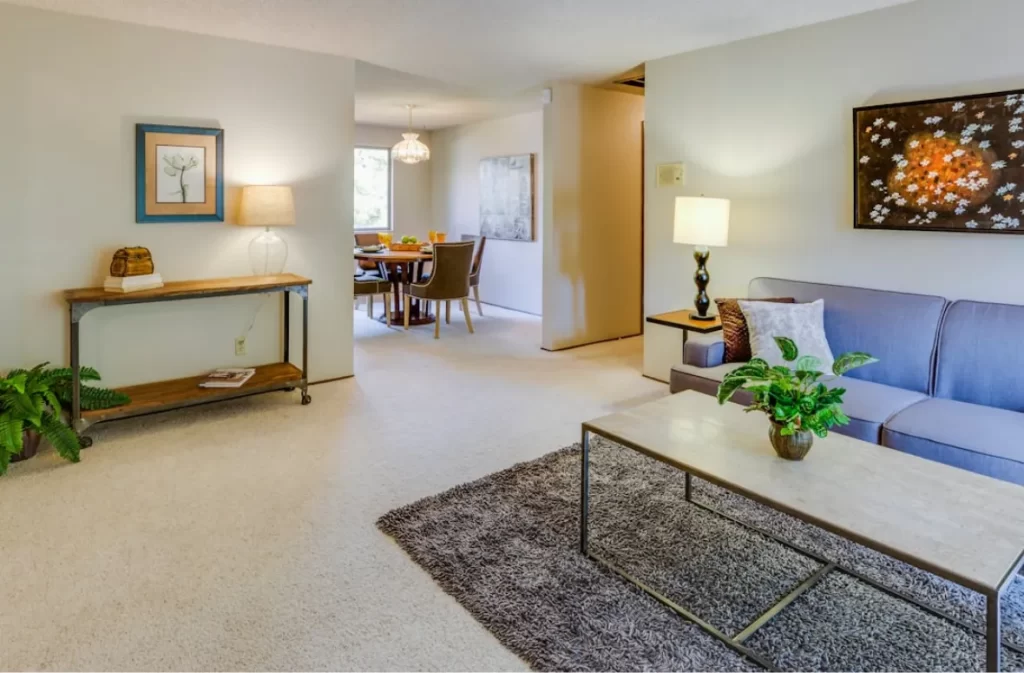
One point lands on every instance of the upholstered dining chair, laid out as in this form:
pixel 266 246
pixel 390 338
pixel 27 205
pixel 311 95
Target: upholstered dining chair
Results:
pixel 366 265
pixel 369 287
pixel 474 275
pixel 449 281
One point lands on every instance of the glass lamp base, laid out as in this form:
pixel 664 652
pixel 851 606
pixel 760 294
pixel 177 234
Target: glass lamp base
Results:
pixel 268 253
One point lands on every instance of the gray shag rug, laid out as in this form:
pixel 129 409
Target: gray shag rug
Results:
pixel 506 547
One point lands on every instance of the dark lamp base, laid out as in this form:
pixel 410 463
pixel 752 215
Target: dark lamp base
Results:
pixel 706 318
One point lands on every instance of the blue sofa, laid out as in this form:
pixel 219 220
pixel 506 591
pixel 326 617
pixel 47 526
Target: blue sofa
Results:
pixel 948 385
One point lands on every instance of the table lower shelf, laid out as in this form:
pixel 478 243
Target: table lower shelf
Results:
pixel 150 398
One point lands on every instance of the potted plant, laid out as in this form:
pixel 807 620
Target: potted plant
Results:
pixel 31 402
pixel 798 405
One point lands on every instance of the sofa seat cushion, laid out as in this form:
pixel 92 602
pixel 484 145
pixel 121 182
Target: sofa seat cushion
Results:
pixel 868 404
pixel 986 440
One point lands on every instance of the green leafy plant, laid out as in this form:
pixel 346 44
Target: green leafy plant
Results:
pixel 795 400
pixel 33 400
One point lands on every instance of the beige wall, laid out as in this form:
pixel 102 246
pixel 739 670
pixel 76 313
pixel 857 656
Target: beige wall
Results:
pixel 410 189
pixel 73 90
pixel 592 245
pixel 512 270
pixel 766 122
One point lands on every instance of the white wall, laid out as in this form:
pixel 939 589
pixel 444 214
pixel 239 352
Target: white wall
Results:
pixel 73 90
pixel 512 270
pixel 766 122
pixel 410 189
pixel 592 244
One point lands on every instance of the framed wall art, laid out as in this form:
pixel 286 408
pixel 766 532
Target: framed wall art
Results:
pixel 179 174
pixel 947 164
pixel 506 197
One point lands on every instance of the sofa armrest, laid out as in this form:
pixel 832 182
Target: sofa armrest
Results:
pixel 704 353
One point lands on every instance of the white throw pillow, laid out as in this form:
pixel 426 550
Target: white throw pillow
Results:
pixel 803 323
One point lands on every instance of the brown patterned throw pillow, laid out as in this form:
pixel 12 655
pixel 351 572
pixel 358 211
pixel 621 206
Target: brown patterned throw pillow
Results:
pixel 734 327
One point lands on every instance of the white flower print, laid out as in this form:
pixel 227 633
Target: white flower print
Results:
pixel 985 144
pixel 903 164
pixel 998 164
pixel 925 162
pixel 932 214
pixel 879 121
pixel 933 174
pixel 897 158
pixel 877 183
pixel 900 175
pixel 983 181
pixel 923 200
pixel 971 224
pixel 885 142
pixel 950 197
pixel 930 121
pixel 864 159
pixel 948 158
pixel 912 188
pixel 973 174
pixel 915 143
pixel 959 153
pixel 986 128
pixel 984 209
pixel 890 125
pixel 963 203
pixel 960 210
pixel 958 106
pixel 999 225
pixel 939 133
pixel 1018 144
pixel 965 140
pixel 980 115
pixel 902 201
pixel 875 138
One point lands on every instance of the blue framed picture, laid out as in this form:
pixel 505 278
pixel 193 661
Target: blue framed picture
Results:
pixel 179 174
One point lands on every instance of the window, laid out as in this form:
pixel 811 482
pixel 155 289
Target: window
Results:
pixel 372 188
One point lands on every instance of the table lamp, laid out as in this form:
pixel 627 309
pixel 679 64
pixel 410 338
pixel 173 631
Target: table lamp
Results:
pixel 267 206
pixel 702 222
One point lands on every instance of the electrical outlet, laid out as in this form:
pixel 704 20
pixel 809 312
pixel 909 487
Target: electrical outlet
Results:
pixel 240 346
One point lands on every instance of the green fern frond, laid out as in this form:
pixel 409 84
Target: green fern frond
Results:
pixel 64 440
pixel 64 374
pixel 11 432
pixel 102 398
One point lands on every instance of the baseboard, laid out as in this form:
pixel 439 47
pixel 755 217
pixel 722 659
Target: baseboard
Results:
pixel 509 308
pixel 592 343
pixel 336 378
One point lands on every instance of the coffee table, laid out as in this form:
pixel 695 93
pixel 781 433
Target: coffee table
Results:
pixel 961 526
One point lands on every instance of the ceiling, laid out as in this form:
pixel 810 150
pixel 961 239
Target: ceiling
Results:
pixel 467 59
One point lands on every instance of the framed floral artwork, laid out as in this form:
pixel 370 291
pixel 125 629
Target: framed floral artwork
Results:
pixel 179 174
pixel 948 164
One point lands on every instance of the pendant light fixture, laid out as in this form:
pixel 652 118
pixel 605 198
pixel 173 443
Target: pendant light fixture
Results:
pixel 410 150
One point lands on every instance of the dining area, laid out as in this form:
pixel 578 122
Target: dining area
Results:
pixel 417 280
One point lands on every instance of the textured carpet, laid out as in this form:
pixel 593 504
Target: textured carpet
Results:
pixel 506 548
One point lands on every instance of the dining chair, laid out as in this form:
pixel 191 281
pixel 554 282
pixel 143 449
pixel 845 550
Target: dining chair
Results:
pixel 474 275
pixel 369 287
pixel 366 265
pixel 449 281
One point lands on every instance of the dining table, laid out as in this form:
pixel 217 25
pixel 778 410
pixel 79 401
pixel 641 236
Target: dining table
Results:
pixel 399 267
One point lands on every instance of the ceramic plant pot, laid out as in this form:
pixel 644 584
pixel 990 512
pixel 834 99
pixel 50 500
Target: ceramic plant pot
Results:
pixel 790 447
pixel 29 446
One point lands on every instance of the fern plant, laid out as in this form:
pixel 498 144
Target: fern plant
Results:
pixel 794 400
pixel 34 399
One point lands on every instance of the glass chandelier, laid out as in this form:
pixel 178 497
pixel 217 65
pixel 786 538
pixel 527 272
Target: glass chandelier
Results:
pixel 410 150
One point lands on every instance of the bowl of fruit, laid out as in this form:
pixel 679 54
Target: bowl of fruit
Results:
pixel 406 244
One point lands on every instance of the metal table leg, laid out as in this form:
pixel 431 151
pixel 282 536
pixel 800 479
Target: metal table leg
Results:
pixel 993 636
pixel 585 494
pixel 306 399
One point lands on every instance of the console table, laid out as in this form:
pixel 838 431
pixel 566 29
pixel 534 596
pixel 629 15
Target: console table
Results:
pixel 150 398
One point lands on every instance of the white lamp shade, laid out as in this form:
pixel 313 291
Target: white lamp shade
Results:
pixel 266 206
pixel 411 150
pixel 701 221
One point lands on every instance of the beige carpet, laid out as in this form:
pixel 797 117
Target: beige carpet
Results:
pixel 241 536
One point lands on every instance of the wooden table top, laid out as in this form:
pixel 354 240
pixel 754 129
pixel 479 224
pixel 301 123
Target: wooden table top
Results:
pixel 391 256
pixel 184 289
pixel 682 320
pixel 957 524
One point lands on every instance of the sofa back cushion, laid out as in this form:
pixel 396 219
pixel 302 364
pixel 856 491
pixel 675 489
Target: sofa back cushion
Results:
pixel 898 328
pixel 980 359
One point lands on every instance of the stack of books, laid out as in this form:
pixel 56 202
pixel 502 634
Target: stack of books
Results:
pixel 133 283
pixel 227 378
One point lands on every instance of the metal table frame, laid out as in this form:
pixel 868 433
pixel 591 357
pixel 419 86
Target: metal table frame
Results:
pixel 78 309
pixel 992 632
